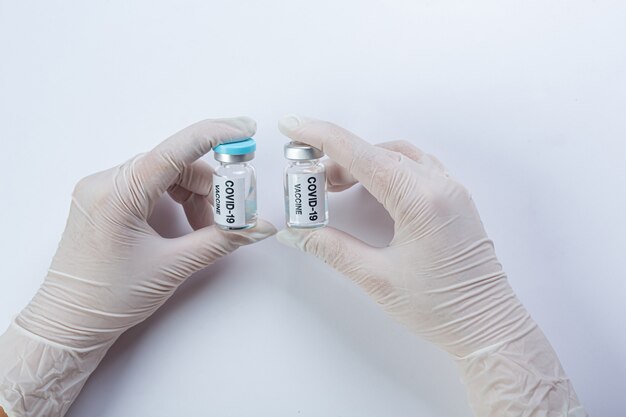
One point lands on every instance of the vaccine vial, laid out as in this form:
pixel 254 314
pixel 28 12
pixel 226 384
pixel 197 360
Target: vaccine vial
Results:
pixel 234 185
pixel 305 187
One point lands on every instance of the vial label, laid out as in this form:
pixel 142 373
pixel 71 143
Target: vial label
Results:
pixel 307 198
pixel 229 201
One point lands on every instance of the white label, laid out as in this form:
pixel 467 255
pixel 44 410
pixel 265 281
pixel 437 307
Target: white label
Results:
pixel 307 198
pixel 229 201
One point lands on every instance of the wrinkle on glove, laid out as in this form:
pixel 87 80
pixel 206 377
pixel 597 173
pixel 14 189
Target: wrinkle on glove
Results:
pixel 530 382
pixel 439 275
pixel 40 378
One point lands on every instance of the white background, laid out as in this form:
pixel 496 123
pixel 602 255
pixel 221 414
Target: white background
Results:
pixel 524 101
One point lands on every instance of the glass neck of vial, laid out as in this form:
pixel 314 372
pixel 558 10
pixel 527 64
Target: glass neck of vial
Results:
pixel 304 162
pixel 234 164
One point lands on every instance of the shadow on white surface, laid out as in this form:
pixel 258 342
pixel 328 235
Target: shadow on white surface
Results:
pixel 415 369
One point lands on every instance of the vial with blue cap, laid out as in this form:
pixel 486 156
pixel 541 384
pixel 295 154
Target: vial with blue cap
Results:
pixel 234 185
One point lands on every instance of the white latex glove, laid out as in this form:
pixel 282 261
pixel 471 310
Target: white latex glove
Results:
pixel 439 275
pixel 112 270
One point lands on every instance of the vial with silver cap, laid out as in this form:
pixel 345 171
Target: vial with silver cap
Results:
pixel 305 187
pixel 234 185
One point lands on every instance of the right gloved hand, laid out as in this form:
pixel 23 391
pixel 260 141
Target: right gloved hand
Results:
pixel 439 275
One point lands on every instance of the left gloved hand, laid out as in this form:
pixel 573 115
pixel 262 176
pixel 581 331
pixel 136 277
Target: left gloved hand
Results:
pixel 112 270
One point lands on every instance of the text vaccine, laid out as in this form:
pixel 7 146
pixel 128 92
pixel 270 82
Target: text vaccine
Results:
pixel 234 185
pixel 305 187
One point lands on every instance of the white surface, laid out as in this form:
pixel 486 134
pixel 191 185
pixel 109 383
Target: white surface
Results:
pixel 524 101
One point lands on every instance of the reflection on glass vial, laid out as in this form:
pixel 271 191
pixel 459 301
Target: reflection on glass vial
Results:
pixel 234 185
pixel 305 187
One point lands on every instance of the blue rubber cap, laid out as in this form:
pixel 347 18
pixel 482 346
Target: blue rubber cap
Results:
pixel 240 147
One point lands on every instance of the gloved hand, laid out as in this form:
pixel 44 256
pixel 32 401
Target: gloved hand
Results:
pixel 112 270
pixel 439 275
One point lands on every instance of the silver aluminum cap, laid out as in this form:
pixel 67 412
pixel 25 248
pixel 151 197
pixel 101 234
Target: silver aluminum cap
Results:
pixel 233 159
pixel 298 151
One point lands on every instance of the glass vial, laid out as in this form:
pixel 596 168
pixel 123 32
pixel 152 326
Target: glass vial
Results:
pixel 234 185
pixel 305 187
